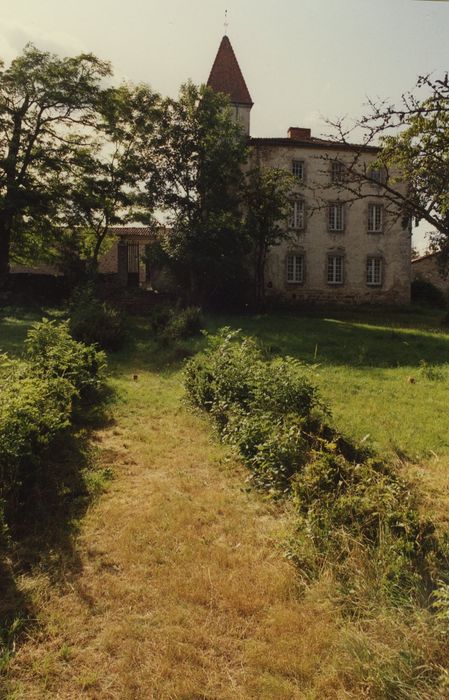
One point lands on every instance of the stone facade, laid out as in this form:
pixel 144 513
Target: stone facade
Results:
pixel 351 265
pixel 315 244
pixel 126 248
pixel 427 268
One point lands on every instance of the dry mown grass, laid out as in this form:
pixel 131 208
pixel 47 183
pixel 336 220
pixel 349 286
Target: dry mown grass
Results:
pixel 181 590
pixel 177 588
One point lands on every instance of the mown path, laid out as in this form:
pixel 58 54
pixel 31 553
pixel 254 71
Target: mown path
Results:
pixel 181 590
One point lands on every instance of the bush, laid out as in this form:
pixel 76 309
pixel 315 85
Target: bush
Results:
pixel 223 375
pixel 349 505
pixel 53 353
pixel 424 292
pixel 33 409
pixel 160 316
pixel 171 325
pixel 184 324
pixel 93 321
pixel 37 396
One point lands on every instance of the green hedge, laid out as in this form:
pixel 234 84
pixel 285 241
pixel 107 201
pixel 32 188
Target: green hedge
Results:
pixel 51 352
pixel 37 396
pixel 93 321
pixel 348 503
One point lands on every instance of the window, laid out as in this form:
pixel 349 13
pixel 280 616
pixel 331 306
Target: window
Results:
pixel 335 269
pixel 295 268
pixel 336 217
pixel 378 175
pixel 297 219
pixel 298 169
pixel 337 171
pixel 374 272
pixel 375 218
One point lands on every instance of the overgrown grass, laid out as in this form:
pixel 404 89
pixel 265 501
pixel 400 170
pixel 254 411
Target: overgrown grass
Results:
pixel 176 587
pixel 51 393
pixel 371 371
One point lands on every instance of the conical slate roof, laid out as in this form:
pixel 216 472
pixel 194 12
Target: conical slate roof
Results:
pixel 227 77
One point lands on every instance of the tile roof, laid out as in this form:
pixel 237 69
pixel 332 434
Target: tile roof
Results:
pixel 227 77
pixel 426 256
pixel 310 143
pixel 140 231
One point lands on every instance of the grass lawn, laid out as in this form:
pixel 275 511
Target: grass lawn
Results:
pixel 384 375
pixel 176 586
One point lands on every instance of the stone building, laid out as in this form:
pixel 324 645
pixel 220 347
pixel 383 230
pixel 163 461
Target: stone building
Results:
pixel 336 252
pixel 353 252
pixel 124 257
pixel 428 268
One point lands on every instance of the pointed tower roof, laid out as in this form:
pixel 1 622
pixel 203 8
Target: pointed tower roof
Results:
pixel 227 77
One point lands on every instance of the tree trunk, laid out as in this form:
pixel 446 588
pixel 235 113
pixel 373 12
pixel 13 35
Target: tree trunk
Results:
pixel 260 275
pixel 5 243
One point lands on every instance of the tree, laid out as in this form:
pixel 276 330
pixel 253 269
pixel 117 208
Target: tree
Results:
pixel 43 100
pixel 201 154
pixel 268 204
pixel 108 180
pixel 409 155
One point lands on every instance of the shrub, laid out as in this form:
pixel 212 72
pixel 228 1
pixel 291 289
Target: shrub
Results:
pixel 52 352
pixel 93 321
pixel 340 502
pixel 354 512
pixel 263 407
pixel 171 325
pixel 160 316
pixel 274 449
pixel 33 410
pixel 183 324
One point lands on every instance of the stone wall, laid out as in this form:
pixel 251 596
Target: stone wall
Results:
pixel 315 242
pixel 427 268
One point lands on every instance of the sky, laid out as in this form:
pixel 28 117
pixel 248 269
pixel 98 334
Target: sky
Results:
pixel 304 61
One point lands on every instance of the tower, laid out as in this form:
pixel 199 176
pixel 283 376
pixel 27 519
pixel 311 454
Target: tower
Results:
pixel 226 77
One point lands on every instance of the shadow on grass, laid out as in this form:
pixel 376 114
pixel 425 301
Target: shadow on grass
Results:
pixel 145 350
pixel 43 517
pixel 365 341
pixel 15 323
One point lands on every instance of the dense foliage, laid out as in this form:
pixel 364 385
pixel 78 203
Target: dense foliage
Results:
pixel 349 505
pixel 201 151
pixel 95 321
pixel 37 398
pixel 47 105
pixel 173 324
pixel 268 206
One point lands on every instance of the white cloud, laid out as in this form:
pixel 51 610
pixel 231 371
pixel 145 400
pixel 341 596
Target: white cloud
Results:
pixel 14 36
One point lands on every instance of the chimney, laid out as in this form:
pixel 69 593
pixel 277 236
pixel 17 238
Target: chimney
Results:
pixel 297 133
